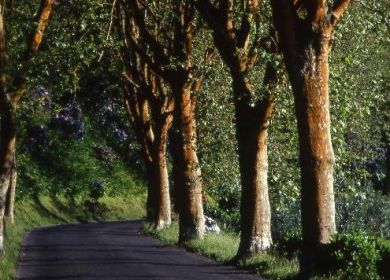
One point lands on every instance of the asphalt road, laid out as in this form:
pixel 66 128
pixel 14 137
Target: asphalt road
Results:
pixel 112 250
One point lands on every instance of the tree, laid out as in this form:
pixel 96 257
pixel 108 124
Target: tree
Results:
pixel 11 192
pixel 9 100
pixel 240 53
pixel 305 30
pixel 149 106
pixel 159 37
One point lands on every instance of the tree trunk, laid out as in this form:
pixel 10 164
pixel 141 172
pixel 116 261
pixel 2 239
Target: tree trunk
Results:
pixel 174 148
pixel 251 133
pixel 10 200
pixel 139 120
pixel 163 200
pixel 306 44
pixel 191 224
pixel 7 150
pixel 151 192
pixel 4 183
pixel 311 93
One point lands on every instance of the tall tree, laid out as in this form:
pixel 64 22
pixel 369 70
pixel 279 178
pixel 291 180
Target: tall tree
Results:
pixel 168 53
pixel 238 45
pixel 305 31
pixel 11 192
pixel 151 119
pixel 149 105
pixel 9 100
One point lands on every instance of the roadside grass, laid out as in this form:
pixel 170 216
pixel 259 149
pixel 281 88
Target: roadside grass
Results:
pixel 223 248
pixel 29 214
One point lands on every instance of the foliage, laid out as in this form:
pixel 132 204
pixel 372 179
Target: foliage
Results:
pixel 349 255
pixel 289 245
pixel 96 192
pixel 356 254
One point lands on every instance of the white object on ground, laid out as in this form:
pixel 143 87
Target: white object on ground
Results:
pixel 211 225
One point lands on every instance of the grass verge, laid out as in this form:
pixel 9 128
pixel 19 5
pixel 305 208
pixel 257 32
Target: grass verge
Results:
pixel 223 247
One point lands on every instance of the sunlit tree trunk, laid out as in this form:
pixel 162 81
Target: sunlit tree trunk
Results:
pixel 316 153
pixel 7 151
pixel 176 174
pixel 151 193
pixel 306 45
pixel 251 134
pixel 10 201
pixel 153 146
pixel 191 224
pixel 163 216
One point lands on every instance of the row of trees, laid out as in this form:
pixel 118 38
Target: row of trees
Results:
pixel 163 74
pixel 172 53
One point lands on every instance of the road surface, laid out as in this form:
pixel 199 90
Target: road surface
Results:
pixel 112 250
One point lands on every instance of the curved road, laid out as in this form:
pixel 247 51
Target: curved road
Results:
pixel 112 250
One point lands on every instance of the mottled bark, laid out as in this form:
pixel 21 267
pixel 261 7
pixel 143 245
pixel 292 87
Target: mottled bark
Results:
pixel 163 200
pixel 153 141
pixel 174 148
pixel 184 84
pixel 306 45
pixel 316 153
pixel 191 224
pixel 163 217
pixel 10 200
pixel 251 133
pixel 43 21
pixel 7 151
pixel 151 193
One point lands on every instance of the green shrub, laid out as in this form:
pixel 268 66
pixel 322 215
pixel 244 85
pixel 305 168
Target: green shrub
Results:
pixel 384 262
pixel 363 210
pixel 356 254
pixel 290 245
pixel 352 256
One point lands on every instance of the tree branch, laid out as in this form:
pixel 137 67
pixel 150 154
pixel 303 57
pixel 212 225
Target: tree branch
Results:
pixel 286 24
pixel 250 9
pixel 43 20
pixel 338 9
pixel 156 47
